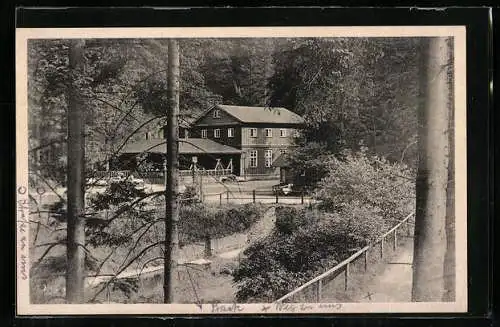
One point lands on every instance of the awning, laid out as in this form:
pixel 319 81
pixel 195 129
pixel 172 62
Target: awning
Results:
pixel 186 146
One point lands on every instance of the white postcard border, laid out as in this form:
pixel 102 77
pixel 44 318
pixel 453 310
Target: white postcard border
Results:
pixel 22 272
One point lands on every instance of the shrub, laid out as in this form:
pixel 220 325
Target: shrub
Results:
pixel 360 198
pixel 282 261
pixel 197 221
pixel 289 219
pixel 386 187
pixel 308 164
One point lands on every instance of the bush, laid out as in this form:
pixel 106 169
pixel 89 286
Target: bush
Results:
pixel 388 188
pixel 319 240
pixel 289 219
pixel 198 220
pixel 308 164
pixel 360 198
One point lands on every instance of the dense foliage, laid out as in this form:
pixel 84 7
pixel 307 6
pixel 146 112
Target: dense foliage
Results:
pixel 348 89
pixel 309 163
pixel 198 221
pixel 352 92
pixel 360 197
pixel 124 229
pixel 388 188
pixel 304 244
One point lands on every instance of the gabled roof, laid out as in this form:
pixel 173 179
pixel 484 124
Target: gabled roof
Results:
pixel 276 115
pixel 186 146
pixel 246 114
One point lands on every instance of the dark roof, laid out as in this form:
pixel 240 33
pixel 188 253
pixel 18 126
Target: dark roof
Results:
pixel 262 114
pixel 184 122
pixel 186 146
pixel 281 161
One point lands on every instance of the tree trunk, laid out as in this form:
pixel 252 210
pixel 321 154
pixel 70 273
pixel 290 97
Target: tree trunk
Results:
pixel 432 174
pixel 449 259
pixel 75 272
pixel 172 208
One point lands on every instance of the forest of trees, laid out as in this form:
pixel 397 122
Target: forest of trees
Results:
pixel 351 91
pixel 354 93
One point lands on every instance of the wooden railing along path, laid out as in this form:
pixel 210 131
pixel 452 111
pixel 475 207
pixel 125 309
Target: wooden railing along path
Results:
pixel 257 196
pixel 317 284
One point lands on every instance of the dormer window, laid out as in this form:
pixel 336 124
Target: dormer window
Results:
pixel 216 113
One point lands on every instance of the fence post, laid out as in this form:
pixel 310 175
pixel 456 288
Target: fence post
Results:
pixel 253 195
pixel 382 248
pixel 208 246
pixel 346 276
pixel 395 239
pixel 220 198
pixel 366 259
pixel 227 196
pixel 302 197
pixel 319 290
pixel 276 196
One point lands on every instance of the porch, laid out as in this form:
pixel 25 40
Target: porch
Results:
pixel 146 159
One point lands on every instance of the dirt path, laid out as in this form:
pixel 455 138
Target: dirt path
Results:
pixel 386 280
pixel 259 230
pixel 394 282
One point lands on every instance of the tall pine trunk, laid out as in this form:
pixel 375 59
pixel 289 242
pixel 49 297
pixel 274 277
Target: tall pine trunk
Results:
pixel 75 272
pixel 172 171
pixel 449 259
pixel 432 175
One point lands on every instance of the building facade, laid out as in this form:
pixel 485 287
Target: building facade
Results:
pixel 262 134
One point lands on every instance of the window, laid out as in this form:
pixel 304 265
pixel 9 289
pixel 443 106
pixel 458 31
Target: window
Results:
pixel 186 134
pixel 296 133
pixel 268 155
pixel 283 151
pixel 216 113
pixel 203 133
pixel 269 132
pixel 217 133
pixel 282 132
pixel 230 132
pixel 253 158
pixel 253 132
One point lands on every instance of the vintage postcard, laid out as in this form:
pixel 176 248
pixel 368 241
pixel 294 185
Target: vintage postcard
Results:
pixel 240 170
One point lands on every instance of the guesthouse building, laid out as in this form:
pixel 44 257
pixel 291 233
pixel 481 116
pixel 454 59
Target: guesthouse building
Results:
pixel 261 133
pixel 241 140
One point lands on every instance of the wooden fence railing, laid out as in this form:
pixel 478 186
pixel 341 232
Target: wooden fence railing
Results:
pixel 160 174
pixel 254 196
pixel 312 291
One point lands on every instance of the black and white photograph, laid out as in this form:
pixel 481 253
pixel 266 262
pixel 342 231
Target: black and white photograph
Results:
pixel 241 170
